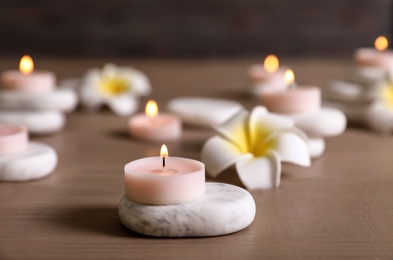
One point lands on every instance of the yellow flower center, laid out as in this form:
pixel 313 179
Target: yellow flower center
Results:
pixel 255 141
pixel 112 86
pixel 387 94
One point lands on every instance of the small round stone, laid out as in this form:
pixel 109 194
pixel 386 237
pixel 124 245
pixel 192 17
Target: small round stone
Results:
pixel 63 99
pixel 37 161
pixel 38 122
pixel 223 209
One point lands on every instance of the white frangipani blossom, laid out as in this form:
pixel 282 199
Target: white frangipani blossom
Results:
pixel 117 87
pixel 256 143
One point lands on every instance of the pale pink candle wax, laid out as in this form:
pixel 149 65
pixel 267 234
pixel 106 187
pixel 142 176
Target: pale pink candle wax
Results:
pixel 296 100
pixel 269 73
pixel 13 139
pixel 182 181
pixel 27 79
pixel 378 56
pixel 292 99
pixel 154 126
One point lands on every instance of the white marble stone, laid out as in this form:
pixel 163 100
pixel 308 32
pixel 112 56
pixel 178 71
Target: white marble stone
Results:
pixel 351 92
pixel 37 161
pixel 63 99
pixel 355 112
pixel 37 122
pixel 222 210
pixel 325 123
pixel 316 146
pixel 204 111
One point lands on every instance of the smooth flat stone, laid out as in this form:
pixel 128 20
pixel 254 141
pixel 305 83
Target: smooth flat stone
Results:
pixel 37 161
pixel 354 112
pixel 324 123
pixel 223 209
pixel 367 75
pixel 204 111
pixel 316 146
pixel 37 122
pixel 63 99
pixel 351 92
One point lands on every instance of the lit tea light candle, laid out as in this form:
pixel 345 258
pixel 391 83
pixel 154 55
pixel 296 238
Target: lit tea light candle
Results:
pixel 26 79
pixel 294 99
pixel 13 139
pixel 268 75
pixel 378 56
pixel 155 126
pixel 164 180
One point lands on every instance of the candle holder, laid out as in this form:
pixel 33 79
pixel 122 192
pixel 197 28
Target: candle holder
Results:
pixel 21 160
pixel 172 200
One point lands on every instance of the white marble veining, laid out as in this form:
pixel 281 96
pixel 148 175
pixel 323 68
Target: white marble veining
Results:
pixel 222 210
pixel 204 111
pixel 37 122
pixel 63 99
pixel 37 161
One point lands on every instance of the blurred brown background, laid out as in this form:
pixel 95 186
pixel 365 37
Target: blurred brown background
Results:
pixel 195 28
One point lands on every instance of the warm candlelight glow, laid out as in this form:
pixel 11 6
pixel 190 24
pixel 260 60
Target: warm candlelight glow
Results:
pixel 381 43
pixel 289 76
pixel 151 109
pixel 26 65
pixel 164 151
pixel 271 63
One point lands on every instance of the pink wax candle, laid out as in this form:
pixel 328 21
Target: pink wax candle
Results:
pixel 164 180
pixel 154 126
pixel 13 139
pixel 26 79
pixel 292 100
pixel 267 74
pixel 377 56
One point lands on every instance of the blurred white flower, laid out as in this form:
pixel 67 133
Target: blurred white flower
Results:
pixel 257 143
pixel 117 87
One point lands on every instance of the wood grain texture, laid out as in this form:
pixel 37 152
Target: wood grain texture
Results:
pixel 339 208
pixel 137 28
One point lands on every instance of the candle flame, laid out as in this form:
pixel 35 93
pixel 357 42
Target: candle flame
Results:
pixel 151 109
pixel 164 151
pixel 289 76
pixel 26 65
pixel 381 43
pixel 271 63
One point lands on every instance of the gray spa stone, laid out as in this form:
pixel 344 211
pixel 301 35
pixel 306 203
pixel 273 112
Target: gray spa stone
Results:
pixel 37 161
pixel 223 209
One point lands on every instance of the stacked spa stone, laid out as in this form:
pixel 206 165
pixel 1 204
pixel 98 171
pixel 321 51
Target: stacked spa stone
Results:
pixel 38 105
pixel 366 94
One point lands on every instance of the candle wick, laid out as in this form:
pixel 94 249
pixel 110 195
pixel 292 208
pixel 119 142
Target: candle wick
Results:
pixel 163 163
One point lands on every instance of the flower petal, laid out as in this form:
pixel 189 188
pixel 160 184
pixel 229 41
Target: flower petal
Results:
pixel 292 147
pixel 90 97
pixel 219 154
pixel 139 81
pixel 316 146
pixel 262 123
pixel 235 130
pixel 260 172
pixel 123 105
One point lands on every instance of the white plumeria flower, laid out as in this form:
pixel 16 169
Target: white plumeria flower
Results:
pixel 380 113
pixel 257 143
pixel 117 87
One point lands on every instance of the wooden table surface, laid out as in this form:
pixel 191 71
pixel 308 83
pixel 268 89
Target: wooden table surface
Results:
pixel 340 207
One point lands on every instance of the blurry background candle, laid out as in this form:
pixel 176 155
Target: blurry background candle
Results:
pixel 164 180
pixel 155 126
pixel 270 75
pixel 26 79
pixel 378 56
pixel 292 99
